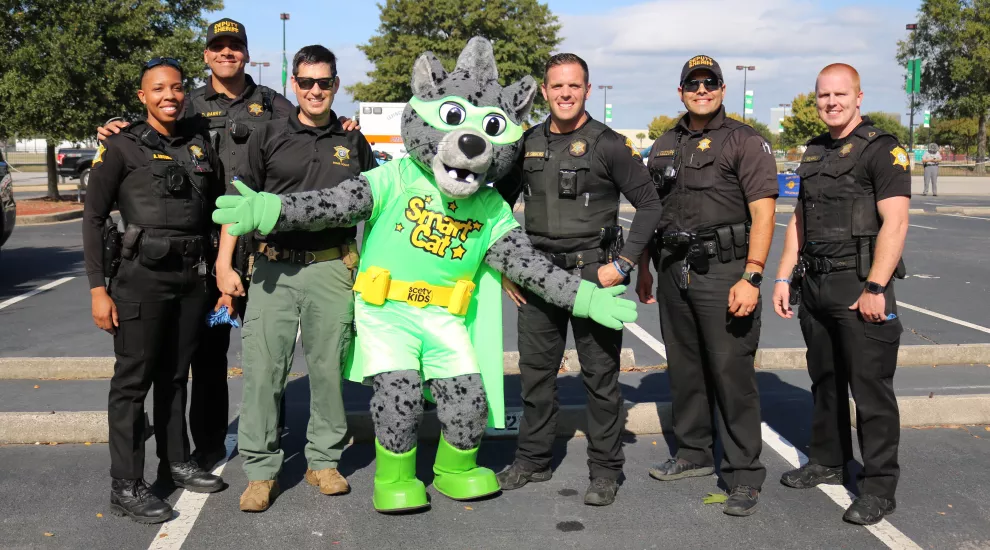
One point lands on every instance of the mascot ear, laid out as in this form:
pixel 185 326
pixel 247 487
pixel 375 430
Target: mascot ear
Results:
pixel 477 60
pixel 427 73
pixel 517 99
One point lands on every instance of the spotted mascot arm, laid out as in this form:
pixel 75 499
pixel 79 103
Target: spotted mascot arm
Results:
pixel 514 256
pixel 343 205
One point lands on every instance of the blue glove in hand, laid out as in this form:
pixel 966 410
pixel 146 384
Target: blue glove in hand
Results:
pixel 603 305
pixel 251 211
pixel 220 317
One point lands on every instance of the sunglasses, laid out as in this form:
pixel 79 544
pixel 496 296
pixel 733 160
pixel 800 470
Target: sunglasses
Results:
pixel 306 83
pixel 154 62
pixel 711 84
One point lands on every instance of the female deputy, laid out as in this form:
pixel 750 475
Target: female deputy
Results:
pixel 164 176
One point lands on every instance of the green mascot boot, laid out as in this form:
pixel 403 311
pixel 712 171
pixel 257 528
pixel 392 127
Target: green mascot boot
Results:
pixel 396 486
pixel 458 476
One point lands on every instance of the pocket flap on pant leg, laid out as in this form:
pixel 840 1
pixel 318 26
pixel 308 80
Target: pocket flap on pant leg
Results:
pixel 888 331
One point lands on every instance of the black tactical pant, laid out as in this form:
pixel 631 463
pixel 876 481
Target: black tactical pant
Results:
pixel 542 335
pixel 710 361
pixel 208 399
pixel 846 352
pixel 154 345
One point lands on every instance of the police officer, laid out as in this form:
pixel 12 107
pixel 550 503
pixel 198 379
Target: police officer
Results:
pixel 848 231
pixel 163 174
pixel 572 172
pixel 302 281
pixel 931 160
pixel 717 179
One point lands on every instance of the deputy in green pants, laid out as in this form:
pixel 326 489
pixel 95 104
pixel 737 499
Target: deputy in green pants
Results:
pixel 301 281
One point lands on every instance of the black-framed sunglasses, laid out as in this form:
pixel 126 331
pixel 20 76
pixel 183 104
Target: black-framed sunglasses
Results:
pixel 156 61
pixel 711 84
pixel 306 83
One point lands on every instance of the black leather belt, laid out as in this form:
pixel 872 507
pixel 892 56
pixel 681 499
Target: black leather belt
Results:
pixel 570 260
pixel 710 246
pixel 816 265
pixel 187 247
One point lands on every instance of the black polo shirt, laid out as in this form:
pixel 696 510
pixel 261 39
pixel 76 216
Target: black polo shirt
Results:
pixel 286 156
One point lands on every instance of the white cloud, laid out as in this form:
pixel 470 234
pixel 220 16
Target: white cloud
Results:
pixel 640 50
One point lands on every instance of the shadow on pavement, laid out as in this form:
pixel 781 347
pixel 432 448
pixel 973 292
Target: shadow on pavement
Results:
pixel 24 265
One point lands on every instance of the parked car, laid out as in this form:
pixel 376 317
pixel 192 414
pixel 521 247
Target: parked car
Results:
pixel 7 206
pixel 75 163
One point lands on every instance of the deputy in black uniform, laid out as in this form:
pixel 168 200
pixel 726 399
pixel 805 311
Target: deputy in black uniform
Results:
pixel 572 172
pixel 230 106
pixel 717 179
pixel 848 232
pixel 163 174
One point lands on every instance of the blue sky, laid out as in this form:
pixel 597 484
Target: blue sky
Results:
pixel 639 46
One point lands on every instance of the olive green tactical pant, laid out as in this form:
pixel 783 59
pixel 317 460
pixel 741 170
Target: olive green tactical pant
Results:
pixel 317 299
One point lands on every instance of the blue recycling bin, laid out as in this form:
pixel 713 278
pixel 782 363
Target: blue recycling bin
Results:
pixel 788 185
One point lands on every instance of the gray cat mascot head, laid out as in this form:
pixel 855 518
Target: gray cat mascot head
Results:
pixel 463 125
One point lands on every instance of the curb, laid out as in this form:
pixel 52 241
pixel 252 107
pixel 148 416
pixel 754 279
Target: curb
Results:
pixel 49 218
pixel 637 419
pixel 964 210
pixel 91 368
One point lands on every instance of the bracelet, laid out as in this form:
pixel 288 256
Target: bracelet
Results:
pixel 757 262
pixel 615 263
pixel 788 281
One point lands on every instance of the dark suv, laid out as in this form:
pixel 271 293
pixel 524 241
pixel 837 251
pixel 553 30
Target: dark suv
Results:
pixel 8 210
pixel 75 163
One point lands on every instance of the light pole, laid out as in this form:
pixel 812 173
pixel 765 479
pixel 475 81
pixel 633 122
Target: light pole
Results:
pixel 914 51
pixel 260 64
pixel 745 69
pixel 285 63
pixel 605 102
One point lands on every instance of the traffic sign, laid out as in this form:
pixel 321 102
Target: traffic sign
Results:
pixel 748 108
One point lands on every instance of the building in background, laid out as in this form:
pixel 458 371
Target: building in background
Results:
pixel 777 115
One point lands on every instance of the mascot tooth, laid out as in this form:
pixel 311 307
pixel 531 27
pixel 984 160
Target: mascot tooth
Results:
pixel 428 300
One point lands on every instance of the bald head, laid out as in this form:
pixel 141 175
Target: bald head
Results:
pixel 840 70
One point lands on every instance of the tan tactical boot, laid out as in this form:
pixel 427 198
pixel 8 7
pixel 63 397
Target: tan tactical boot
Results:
pixel 328 480
pixel 259 495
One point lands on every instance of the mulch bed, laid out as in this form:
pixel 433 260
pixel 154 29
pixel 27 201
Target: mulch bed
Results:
pixel 46 205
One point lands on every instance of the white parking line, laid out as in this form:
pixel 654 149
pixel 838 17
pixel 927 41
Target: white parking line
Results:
pixel 38 290
pixel 970 217
pixel 922 226
pixel 887 533
pixel 944 317
pixel 625 220
pixel 781 224
pixel 647 339
pixel 173 533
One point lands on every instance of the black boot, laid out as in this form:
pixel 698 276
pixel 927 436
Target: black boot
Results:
pixel 208 460
pixel 811 475
pixel 601 492
pixel 190 477
pixel 132 498
pixel 515 477
pixel 742 501
pixel 868 510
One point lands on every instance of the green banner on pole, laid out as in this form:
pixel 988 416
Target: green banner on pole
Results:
pixel 748 107
pixel 913 84
pixel 285 71
pixel 928 119
pixel 608 113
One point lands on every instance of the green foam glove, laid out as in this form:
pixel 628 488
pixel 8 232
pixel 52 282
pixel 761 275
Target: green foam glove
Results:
pixel 603 305
pixel 252 210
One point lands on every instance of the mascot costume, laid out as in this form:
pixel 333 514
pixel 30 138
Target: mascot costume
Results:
pixel 436 239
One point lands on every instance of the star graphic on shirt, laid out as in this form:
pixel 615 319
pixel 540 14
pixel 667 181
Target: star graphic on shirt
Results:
pixel 452 206
pixel 704 144
pixel 398 227
pixel 458 252
pixel 428 199
pixel 477 226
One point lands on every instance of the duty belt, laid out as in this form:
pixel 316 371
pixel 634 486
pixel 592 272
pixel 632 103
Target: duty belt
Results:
pixel 818 265
pixel 376 285
pixel 275 253
pixel 570 260
pixel 708 242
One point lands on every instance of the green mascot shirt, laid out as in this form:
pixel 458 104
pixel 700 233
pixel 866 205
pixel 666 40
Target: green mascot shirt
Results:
pixel 419 234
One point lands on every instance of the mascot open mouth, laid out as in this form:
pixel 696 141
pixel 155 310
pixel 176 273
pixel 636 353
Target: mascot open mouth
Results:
pixel 461 174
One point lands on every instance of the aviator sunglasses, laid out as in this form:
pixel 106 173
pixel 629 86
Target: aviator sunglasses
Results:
pixel 306 83
pixel 711 84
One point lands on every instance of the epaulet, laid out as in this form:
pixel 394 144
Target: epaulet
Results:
pixel 198 92
pixel 818 140
pixel 869 133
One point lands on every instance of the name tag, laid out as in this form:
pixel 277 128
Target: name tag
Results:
pixel 211 114
pixel 535 154
pixel 811 158
pixel 666 153
pixel 159 156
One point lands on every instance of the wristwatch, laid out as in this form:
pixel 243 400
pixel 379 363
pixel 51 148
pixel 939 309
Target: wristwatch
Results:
pixel 874 288
pixel 754 278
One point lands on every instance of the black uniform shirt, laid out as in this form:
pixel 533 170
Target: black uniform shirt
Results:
pixel 614 160
pixel 287 156
pixel 119 162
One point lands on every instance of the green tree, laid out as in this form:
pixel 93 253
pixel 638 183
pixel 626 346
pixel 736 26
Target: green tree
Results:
pixel 804 123
pixel 659 125
pixel 954 45
pixel 760 128
pixel 958 133
pixel 891 125
pixel 66 66
pixel 523 33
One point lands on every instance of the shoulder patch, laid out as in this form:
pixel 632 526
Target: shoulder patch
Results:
pixel 99 154
pixel 900 157
pixel 635 153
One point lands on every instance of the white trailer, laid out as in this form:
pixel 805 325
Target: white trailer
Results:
pixel 381 124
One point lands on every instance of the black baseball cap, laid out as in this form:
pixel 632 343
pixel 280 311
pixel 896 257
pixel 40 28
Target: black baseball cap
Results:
pixel 701 62
pixel 226 27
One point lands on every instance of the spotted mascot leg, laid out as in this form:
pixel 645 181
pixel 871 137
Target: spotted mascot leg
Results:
pixel 463 414
pixel 397 409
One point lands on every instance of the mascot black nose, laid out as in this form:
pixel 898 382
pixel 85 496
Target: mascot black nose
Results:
pixel 471 145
